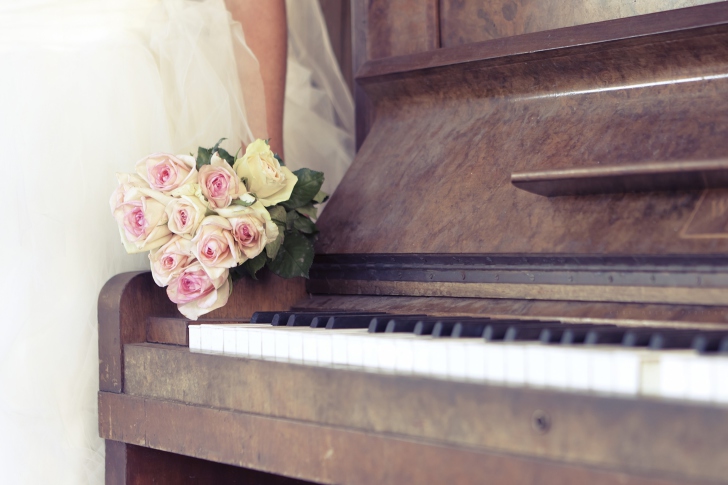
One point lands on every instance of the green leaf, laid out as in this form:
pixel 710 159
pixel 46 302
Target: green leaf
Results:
pixel 254 265
pixel 290 218
pixel 203 156
pixel 294 220
pixel 271 249
pixel 277 213
pixel 320 197
pixel 308 210
pixel 294 257
pixel 308 185
pixel 217 145
pixel 222 153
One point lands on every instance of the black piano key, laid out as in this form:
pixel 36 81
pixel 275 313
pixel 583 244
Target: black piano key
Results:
pixel 425 326
pixel 350 321
pixel 609 336
pixel 673 339
pixel 263 317
pixel 523 332
pixel 638 338
pixel 443 328
pixel 281 318
pixel 708 342
pixel 496 331
pixel 576 333
pixel 305 319
pixel 469 329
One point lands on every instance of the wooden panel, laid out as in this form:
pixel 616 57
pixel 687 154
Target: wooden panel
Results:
pixel 644 177
pixel 693 438
pixel 168 330
pixel 135 465
pixel 626 294
pixel 478 20
pixel 333 455
pixel 463 128
pixel 268 292
pixel 128 299
pixel 399 27
pixel 125 302
pixel 566 311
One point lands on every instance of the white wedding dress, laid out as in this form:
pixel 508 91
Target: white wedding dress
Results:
pixel 87 88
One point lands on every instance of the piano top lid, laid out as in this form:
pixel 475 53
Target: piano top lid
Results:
pixel 434 174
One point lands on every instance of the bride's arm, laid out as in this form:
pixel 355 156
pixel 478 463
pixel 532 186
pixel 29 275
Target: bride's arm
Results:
pixel 265 29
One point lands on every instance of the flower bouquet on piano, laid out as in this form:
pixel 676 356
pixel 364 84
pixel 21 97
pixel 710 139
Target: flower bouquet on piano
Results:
pixel 209 220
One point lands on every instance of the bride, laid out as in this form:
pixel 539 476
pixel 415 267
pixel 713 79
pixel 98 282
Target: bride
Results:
pixel 88 88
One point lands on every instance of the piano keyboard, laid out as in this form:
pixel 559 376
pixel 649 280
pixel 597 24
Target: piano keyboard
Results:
pixel 660 362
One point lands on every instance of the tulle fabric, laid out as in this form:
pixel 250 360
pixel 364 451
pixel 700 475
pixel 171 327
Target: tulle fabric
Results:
pixel 88 88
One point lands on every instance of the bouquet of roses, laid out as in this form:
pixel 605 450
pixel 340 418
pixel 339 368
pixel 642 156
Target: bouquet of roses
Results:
pixel 209 220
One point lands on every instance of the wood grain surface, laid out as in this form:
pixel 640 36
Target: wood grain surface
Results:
pixel 464 22
pixel 330 455
pixel 137 465
pixel 636 314
pixel 461 129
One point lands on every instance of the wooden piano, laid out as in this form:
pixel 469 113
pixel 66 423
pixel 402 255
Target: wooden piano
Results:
pixel 527 160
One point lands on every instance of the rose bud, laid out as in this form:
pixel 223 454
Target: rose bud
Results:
pixel 166 172
pixel 214 246
pixel 195 293
pixel 265 177
pixel 169 260
pixel 219 183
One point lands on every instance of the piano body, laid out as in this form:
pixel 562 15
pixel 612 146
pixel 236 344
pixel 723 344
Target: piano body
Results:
pixel 519 159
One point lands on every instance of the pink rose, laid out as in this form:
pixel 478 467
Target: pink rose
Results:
pixel 219 183
pixel 142 220
pixel 127 181
pixel 185 215
pixel 196 293
pixel 169 260
pixel 214 246
pixel 166 172
pixel 252 228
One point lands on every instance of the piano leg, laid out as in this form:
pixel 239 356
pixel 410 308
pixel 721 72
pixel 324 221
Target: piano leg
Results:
pixel 130 464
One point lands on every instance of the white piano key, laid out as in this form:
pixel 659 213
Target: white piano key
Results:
pixel 386 352
pixel 438 357
pixel 310 347
pixel 514 361
pixel 404 355
pixel 295 347
pixel 579 368
pixel 194 337
pixel 700 378
pixel 241 341
pixel 556 366
pixel 602 369
pixel 338 349
pixel 457 360
pixel 211 338
pixel 494 362
pixel 628 370
pixel 229 341
pixel 649 374
pixel 324 350
pixel 355 350
pixel 281 344
pixel 268 342
pixel 536 365
pixel 476 360
pixel 720 379
pixel 673 375
pixel 369 347
pixel 255 342
pixel 421 351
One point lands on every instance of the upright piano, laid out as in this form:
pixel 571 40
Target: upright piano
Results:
pixel 523 164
